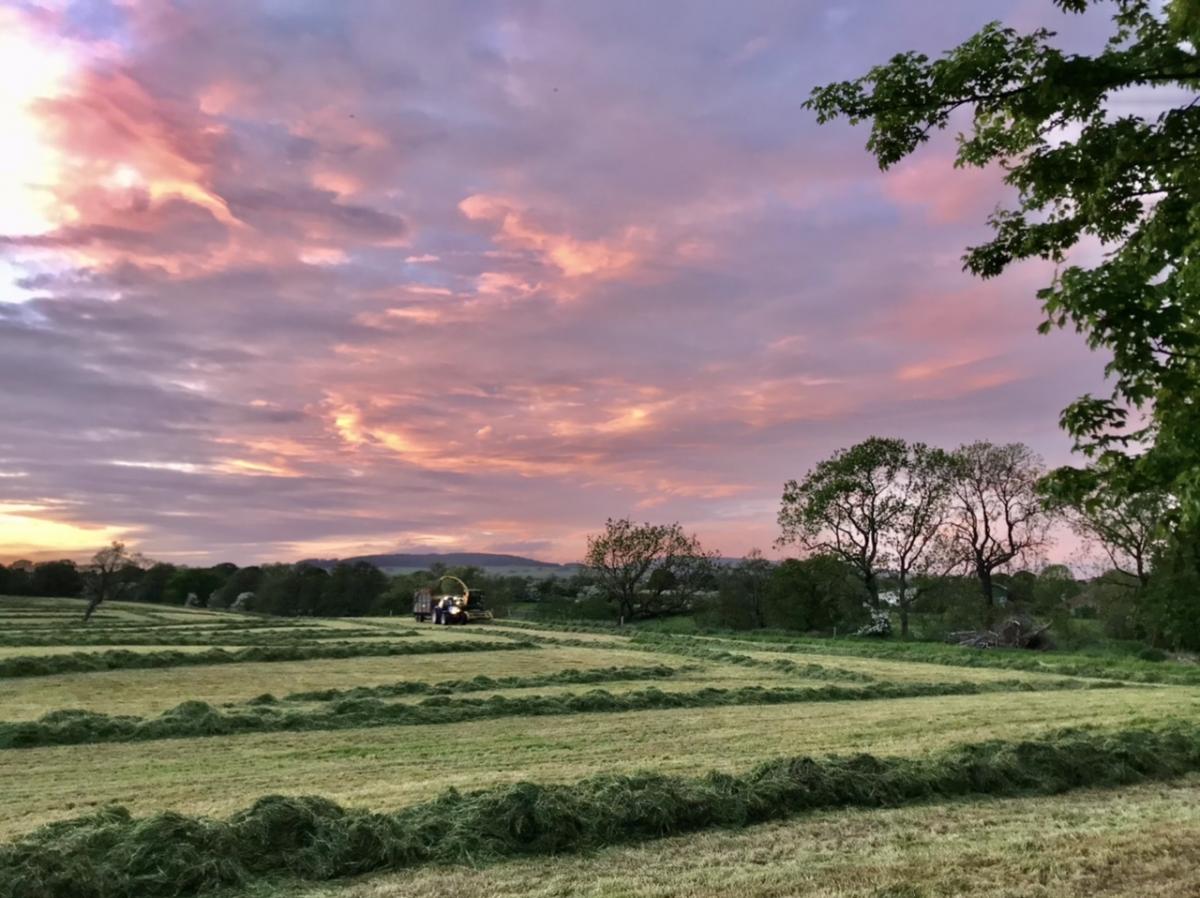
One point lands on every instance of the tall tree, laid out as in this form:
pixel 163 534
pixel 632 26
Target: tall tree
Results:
pixel 996 516
pixel 845 507
pixel 56 578
pixel 923 488
pixel 1106 505
pixel 820 592
pixel 1084 172
pixel 648 569
pixel 154 583
pixel 744 588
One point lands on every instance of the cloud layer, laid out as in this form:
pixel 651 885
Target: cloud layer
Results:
pixel 323 278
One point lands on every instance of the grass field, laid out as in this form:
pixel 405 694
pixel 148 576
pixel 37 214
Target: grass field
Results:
pixel 333 737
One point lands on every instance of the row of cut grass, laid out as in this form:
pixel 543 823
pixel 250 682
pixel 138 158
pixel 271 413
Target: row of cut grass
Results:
pixel 1059 663
pixel 1139 841
pixel 1125 669
pixel 111 854
pixel 195 719
pixel 137 692
pixel 834 667
pixel 223 636
pixel 83 662
pixel 483 682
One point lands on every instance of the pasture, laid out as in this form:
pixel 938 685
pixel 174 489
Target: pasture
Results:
pixel 512 759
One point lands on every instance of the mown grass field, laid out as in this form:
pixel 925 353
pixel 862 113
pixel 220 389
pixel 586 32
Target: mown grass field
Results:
pixel 994 810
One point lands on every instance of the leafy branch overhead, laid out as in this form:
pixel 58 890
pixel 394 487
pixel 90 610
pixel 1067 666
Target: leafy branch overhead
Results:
pixel 1085 175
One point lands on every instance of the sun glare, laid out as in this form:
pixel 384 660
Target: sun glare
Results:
pixel 24 533
pixel 30 71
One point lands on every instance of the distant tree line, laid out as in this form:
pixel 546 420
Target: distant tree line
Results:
pixel 346 589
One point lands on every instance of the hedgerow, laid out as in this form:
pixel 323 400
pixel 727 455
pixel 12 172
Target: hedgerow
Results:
pixel 194 718
pixel 111 854
pixel 83 662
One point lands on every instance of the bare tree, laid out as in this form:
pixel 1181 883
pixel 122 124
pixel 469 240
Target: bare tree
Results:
pixel 648 569
pixel 106 573
pixel 845 506
pixel 996 515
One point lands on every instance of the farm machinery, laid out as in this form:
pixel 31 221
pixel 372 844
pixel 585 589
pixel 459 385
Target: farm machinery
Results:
pixel 449 607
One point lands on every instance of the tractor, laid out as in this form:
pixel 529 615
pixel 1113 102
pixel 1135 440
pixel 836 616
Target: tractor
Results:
pixel 448 607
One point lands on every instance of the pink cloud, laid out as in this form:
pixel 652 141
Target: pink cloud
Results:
pixel 334 276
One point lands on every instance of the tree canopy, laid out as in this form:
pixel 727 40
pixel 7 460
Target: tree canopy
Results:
pixel 648 569
pixel 1085 175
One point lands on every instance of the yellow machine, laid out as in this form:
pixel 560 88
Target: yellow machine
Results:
pixel 448 607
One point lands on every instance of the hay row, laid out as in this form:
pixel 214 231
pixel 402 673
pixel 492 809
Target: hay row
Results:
pixel 195 719
pixel 1124 669
pixel 111 854
pixel 90 662
pixel 484 682
pixel 116 625
pixel 809 671
pixel 232 636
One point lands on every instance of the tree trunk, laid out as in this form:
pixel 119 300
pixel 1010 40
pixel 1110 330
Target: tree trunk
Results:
pixel 626 609
pixel 902 598
pixel 989 597
pixel 93 604
pixel 872 584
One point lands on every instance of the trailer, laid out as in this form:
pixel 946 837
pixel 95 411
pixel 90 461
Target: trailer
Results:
pixel 433 603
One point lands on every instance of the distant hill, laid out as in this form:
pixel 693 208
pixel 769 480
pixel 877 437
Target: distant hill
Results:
pixel 401 562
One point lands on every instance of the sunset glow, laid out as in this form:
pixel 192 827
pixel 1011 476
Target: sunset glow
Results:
pixel 280 280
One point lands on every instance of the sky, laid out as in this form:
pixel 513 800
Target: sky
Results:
pixel 292 278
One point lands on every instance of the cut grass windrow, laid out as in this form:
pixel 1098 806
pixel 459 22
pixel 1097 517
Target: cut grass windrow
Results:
pixel 701 652
pixel 1127 669
pixel 1124 669
pixel 483 682
pixel 195 719
pixel 111 854
pixel 74 625
pixel 87 662
pixel 225 636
